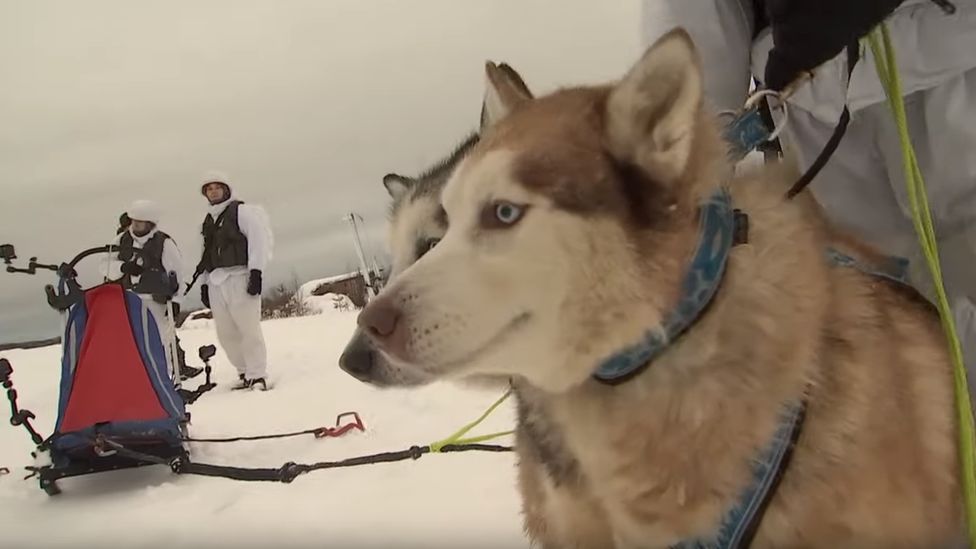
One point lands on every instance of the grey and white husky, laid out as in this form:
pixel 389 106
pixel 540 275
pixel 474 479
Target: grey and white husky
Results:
pixel 416 224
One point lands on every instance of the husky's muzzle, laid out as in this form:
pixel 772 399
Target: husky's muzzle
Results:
pixel 363 360
pixel 359 358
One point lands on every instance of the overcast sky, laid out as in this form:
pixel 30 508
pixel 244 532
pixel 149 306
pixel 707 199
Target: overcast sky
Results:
pixel 304 103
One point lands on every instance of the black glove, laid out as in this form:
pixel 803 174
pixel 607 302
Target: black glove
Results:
pixel 254 283
pixel 160 298
pixel 807 33
pixel 131 268
pixel 176 311
pixel 205 295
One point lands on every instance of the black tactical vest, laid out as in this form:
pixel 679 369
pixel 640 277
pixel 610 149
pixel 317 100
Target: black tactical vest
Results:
pixel 154 278
pixel 224 245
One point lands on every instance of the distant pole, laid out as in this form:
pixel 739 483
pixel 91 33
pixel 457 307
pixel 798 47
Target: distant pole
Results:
pixel 351 218
pixel 380 280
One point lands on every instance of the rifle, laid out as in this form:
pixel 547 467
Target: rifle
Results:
pixel 196 274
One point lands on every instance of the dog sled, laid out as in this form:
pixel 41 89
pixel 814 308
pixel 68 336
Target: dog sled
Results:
pixel 121 403
pixel 120 383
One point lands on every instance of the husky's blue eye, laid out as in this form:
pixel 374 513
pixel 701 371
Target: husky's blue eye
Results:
pixel 501 214
pixel 507 213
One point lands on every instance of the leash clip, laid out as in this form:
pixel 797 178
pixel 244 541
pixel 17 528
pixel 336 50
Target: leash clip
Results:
pixel 780 98
pixel 747 130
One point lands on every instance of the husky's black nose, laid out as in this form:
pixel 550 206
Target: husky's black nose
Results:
pixel 358 358
pixel 382 322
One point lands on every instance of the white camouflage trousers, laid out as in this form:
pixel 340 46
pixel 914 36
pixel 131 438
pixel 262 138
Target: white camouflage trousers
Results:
pixel 862 187
pixel 237 316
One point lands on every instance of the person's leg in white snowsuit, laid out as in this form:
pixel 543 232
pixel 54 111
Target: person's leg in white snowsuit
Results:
pixel 863 187
pixel 237 316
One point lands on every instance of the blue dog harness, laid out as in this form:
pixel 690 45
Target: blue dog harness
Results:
pixel 722 227
pixel 739 525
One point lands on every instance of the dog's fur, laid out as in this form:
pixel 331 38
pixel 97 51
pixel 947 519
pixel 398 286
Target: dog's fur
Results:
pixel 607 180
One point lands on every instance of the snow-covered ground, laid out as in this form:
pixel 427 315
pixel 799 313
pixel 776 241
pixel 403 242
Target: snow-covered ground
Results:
pixel 441 500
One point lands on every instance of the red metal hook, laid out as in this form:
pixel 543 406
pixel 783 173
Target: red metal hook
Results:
pixel 338 431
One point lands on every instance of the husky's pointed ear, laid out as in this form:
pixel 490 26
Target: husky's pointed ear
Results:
pixel 515 80
pixel 652 112
pixel 504 91
pixel 397 185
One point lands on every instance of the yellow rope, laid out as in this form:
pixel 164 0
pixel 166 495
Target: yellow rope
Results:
pixel 456 437
pixel 884 58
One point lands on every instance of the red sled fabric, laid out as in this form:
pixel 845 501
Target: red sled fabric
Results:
pixel 111 383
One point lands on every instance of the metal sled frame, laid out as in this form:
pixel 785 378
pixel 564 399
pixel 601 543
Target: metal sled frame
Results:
pixel 102 459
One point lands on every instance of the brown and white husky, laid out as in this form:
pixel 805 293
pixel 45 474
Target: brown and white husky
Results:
pixel 595 254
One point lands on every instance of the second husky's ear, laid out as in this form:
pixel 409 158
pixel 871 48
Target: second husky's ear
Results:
pixel 504 91
pixel 397 185
pixel 653 111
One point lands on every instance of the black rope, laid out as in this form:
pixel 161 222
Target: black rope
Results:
pixel 286 473
pixel 132 454
pixel 289 471
pixel 414 452
pixel 319 432
pixel 254 437
pixel 469 447
pixel 947 6
pixel 823 157
pixel 853 55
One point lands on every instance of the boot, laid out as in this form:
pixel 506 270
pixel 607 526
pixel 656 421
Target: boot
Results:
pixel 256 383
pixel 243 384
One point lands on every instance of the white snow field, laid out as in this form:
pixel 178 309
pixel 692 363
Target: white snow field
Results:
pixel 440 500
